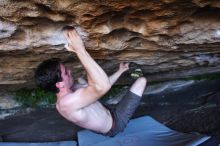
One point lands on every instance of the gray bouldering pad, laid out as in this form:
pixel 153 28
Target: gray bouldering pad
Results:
pixel 60 143
pixel 143 131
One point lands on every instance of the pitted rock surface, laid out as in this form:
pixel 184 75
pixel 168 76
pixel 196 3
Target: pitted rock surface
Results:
pixel 168 38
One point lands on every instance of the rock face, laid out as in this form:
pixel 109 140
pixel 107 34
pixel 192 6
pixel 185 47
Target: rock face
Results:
pixel 168 38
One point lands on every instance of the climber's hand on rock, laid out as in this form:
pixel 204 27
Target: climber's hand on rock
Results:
pixel 75 42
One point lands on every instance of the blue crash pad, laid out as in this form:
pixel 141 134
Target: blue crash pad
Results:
pixel 60 143
pixel 143 131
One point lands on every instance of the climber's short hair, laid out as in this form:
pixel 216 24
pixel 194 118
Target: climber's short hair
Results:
pixel 47 74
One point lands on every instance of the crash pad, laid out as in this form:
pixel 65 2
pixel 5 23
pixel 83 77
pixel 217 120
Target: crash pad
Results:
pixel 143 131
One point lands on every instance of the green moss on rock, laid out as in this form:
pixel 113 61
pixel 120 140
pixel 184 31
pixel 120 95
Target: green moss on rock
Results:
pixel 34 97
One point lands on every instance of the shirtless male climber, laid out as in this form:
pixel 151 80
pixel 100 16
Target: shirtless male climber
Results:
pixel 81 106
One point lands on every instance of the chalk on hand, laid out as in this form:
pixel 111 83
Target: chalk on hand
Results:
pixel 66 46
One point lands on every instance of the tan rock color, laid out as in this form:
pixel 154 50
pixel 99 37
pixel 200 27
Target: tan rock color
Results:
pixel 166 37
